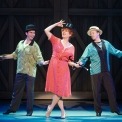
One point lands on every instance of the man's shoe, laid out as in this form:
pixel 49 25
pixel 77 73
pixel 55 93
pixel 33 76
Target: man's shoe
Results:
pixel 98 114
pixel 29 114
pixel 9 111
pixel 118 112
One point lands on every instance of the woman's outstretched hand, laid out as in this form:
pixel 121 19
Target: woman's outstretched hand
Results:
pixel 60 23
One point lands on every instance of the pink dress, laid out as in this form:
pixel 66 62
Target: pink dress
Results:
pixel 58 75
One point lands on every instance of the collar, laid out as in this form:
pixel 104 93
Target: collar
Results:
pixel 31 44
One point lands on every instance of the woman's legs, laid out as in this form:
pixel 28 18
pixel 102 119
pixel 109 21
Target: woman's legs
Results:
pixel 61 106
pixel 50 107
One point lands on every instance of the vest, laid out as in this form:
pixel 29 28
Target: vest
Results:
pixel 103 56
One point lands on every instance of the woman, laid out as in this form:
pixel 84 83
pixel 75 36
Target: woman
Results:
pixel 58 76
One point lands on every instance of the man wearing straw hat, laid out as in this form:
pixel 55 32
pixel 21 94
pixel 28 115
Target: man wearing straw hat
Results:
pixel 98 51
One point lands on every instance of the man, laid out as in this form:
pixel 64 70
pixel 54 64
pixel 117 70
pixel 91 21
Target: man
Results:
pixel 28 55
pixel 98 51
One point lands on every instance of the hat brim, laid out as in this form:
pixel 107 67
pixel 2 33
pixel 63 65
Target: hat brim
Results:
pixel 89 31
pixel 67 27
pixel 30 27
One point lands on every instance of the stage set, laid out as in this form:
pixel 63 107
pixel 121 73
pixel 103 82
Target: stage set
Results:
pixel 76 111
pixel 82 14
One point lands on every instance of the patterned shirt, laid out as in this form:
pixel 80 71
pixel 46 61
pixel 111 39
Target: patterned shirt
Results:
pixel 27 58
pixel 92 53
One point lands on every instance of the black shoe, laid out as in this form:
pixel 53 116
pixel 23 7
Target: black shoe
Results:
pixel 118 112
pixel 98 114
pixel 29 114
pixel 9 111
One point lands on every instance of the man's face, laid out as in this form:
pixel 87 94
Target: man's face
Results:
pixel 94 34
pixel 30 34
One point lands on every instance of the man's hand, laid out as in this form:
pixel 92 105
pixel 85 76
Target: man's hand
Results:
pixel 46 62
pixel 81 66
pixel 1 57
pixel 77 65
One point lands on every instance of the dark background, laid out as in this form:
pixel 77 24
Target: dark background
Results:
pixel 15 14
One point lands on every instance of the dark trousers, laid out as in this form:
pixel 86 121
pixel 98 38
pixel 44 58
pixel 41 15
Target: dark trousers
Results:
pixel 23 81
pixel 107 81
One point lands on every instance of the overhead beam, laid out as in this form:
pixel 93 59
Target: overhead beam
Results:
pixel 45 11
pixel 96 12
pixel 26 11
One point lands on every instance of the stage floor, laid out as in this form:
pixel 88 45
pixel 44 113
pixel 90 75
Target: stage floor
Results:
pixel 76 111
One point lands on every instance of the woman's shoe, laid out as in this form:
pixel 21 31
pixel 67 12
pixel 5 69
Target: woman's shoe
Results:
pixel 48 111
pixel 63 115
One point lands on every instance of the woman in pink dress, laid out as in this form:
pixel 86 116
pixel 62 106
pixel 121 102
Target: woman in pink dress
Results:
pixel 58 79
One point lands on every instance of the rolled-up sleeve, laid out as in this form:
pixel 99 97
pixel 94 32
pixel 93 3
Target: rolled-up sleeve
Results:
pixel 15 53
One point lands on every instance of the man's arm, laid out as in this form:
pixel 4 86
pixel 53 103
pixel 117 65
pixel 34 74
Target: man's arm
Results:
pixel 112 50
pixel 83 59
pixel 6 56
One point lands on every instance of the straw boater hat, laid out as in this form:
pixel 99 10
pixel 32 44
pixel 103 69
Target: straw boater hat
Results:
pixel 94 28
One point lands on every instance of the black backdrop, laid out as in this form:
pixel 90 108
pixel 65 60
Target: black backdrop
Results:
pixel 15 14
